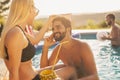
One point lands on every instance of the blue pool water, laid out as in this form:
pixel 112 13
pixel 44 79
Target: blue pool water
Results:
pixel 106 57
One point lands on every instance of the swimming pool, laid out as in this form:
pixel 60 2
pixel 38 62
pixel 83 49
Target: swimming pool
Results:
pixel 106 57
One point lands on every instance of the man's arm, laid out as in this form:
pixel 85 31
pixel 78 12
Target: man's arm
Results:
pixel 92 77
pixel 88 63
pixel 113 35
pixel 45 60
pixel 44 57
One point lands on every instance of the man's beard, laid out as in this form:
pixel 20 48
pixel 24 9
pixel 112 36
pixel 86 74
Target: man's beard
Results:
pixel 109 23
pixel 58 36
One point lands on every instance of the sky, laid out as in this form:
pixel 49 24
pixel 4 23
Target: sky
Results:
pixel 49 7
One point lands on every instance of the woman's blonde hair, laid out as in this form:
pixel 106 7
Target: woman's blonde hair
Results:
pixel 19 12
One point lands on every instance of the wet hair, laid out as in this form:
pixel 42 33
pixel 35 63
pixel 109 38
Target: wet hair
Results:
pixel 64 21
pixel 111 16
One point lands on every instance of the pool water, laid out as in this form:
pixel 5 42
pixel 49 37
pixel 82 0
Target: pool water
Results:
pixel 106 57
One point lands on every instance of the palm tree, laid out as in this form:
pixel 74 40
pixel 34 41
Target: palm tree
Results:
pixel 4 6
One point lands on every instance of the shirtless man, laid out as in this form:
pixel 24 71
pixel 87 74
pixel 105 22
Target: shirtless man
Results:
pixel 74 53
pixel 114 35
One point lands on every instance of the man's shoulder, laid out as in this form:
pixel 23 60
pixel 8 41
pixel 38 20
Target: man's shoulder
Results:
pixel 79 42
pixel 76 40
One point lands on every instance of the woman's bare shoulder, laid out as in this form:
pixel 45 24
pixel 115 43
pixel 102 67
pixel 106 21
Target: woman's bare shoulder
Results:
pixel 14 36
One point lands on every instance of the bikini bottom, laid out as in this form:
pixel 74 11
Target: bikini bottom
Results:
pixel 37 77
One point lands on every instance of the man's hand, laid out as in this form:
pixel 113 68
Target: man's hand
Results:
pixel 104 38
pixel 49 41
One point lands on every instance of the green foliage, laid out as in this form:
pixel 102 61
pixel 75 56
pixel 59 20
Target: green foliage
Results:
pixel 92 25
pixel 102 25
pixel 2 20
pixel 4 6
pixel 38 24
pixel 118 22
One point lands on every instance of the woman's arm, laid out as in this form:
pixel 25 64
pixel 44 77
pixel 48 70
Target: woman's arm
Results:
pixel 14 43
pixel 38 35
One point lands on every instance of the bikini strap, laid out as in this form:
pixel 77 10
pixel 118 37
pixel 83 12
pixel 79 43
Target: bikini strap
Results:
pixel 23 32
pixel 20 28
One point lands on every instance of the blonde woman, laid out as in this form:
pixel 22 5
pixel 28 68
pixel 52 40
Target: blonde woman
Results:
pixel 16 47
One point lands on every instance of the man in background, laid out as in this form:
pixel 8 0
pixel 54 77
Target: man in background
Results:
pixel 114 35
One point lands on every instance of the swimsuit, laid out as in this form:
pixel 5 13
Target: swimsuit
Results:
pixel 27 53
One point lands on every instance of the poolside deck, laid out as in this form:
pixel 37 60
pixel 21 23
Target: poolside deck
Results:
pixel 3 71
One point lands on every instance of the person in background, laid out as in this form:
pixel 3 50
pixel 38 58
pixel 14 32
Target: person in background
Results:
pixel 114 35
pixel 73 53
